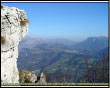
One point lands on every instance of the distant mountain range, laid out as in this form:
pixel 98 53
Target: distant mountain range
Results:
pixel 92 45
pixel 31 42
pixel 60 55
pixel 90 42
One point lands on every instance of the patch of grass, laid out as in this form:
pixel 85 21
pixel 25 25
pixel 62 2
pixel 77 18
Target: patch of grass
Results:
pixel 3 40
pixel 24 22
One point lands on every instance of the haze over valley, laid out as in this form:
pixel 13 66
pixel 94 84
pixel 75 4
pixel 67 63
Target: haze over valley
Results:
pixel 57 57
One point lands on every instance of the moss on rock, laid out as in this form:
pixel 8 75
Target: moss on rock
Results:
pixel 3 40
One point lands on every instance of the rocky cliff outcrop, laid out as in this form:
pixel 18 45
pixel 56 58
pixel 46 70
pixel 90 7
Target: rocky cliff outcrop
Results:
pixel 14 26
pixel 29 77
pixel 42 78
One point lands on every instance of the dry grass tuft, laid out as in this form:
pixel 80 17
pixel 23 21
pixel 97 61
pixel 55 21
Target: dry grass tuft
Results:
pixel 24 22
pixel 2 40
pixel 25 76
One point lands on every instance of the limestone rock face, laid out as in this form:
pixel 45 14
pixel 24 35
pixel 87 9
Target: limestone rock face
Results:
pixel 42 78
pixel 13 28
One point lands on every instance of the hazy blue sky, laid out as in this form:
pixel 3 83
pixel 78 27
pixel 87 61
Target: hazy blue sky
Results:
pixel 66 19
